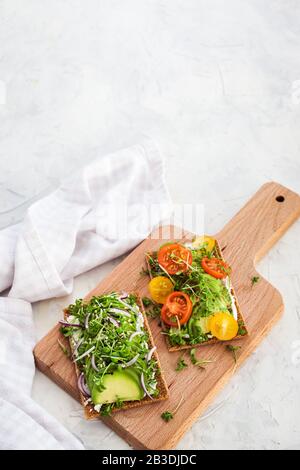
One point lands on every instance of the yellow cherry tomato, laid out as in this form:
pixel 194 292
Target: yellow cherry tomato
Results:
pixel 223 326
pixel 204 242
pixel 160 287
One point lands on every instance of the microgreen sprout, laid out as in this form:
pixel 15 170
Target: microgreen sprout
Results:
pixel 202 363
pixel 233 350
pixel 181 364
pixel 168 415
pixel 255 280
pixel 110 343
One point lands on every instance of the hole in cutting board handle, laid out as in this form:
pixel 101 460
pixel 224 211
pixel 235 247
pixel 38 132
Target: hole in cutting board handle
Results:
pixel 280 198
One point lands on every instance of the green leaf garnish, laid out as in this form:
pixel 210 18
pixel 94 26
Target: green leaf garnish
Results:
pixel 255 280
pixel 198 362
pixel 167 416
pixel 233 350
pixel 152 309
pixel 147 302
pixel 107 409
pixel 242 330
pixel 109 340
pixel 181 364
pixel 208 295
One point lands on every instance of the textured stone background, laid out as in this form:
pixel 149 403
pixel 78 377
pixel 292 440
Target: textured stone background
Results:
pixel 217 84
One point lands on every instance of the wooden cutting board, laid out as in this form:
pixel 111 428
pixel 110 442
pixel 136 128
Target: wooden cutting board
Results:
pixel 244 240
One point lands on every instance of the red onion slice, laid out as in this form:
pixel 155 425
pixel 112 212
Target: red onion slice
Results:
pixel 86 321
pixel 131 362
pixel 149 355
pixel 84 354
pixel 123 295
pixel 83 386
pixel 144 386
pixel 65 323
pixel 140 322
pixel 118 311
pixel 93 363
pixel 128 306
pixel 136 333
pixel 114 322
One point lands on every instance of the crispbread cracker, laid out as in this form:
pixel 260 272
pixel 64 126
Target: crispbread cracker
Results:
pixel 89 411
pixel 240 318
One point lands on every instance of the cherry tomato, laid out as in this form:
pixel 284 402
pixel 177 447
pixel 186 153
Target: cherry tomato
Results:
pixel 204 242
pixel 174 258
pixel 216 267
pixel 177 308
pixel 160 287
pixel 223 326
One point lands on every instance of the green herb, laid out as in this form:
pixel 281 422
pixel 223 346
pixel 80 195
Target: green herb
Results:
pixel 119 403
pixel 66 331
pixel 208 295
pixel 255 280
pixel 63 348
pixel 177 337
pixel 168 415
pixel 132 300
pixel 146 301
pixel 242 330
pixel 154 267
pixel 107 409
pixel 181 364
pixel 198 362
pixel 111 323
pixel 233 350
pixel 154 311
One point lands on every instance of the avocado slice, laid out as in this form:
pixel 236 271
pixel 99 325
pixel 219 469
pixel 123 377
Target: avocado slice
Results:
pixel 198 326
pixel 134 374
pixel 121 384
pixel 204 324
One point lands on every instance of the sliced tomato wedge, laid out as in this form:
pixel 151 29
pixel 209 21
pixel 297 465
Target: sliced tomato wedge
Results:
pixel 177 309
pixel 216 267
pixel 174 258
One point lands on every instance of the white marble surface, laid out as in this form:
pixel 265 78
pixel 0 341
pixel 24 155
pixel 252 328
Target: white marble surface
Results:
pixel 217 84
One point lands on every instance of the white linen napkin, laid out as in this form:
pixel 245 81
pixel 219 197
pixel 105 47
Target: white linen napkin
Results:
pixel 64 234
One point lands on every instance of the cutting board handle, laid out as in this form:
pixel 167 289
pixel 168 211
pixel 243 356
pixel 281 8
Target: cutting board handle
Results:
pixel 271 210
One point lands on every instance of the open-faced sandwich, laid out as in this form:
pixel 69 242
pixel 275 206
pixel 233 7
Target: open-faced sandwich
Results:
pixel 192 283
pixel 116 361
